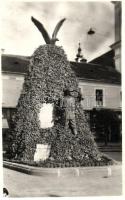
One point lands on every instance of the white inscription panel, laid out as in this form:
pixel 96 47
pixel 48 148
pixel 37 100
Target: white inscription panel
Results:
pixel 42 152
pixel 46 115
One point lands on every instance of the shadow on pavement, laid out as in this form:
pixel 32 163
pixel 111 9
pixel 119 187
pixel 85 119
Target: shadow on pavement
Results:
pixel 53 195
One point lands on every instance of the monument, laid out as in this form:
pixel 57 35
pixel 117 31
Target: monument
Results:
pixel 51 126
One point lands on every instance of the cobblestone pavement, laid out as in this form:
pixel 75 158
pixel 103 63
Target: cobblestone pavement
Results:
pixel 89 184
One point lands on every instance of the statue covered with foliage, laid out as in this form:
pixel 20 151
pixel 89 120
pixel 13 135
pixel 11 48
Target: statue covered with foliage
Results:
pixel 48 77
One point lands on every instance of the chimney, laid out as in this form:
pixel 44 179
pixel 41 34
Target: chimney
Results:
pixel 2 51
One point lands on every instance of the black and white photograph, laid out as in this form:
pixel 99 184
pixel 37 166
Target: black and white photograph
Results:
pixel 61 77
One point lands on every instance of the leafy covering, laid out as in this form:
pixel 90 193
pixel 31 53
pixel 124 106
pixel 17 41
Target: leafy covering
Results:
pixel 49 73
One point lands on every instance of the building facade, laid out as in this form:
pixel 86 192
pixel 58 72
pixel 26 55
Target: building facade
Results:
pixel 101 89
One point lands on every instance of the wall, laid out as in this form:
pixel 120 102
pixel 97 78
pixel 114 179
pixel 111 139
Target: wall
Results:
pixel 117 45
pixel 12 85
pixel 117 20
pixel 112 95
pixel 11 89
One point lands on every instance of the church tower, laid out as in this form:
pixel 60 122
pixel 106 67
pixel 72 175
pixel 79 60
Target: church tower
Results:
pixel 117 45
pixel 79 56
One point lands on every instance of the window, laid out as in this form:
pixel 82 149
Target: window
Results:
pixel 99 97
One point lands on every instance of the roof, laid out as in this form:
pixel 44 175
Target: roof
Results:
pixel 89 71
pixel 14 63
pixel 98 73
pixel 107 59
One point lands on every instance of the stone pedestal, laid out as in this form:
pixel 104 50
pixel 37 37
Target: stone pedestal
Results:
pixel 42 152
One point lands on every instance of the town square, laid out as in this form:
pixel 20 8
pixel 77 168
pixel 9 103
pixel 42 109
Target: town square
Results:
pixel 62 99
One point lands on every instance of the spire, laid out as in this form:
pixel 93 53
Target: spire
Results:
pixel 79 56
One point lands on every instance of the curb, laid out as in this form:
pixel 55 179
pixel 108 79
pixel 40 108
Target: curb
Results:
pixel 57 172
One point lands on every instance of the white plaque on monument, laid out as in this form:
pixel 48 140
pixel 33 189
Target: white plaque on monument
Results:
pixel 46 115
pixel 42 152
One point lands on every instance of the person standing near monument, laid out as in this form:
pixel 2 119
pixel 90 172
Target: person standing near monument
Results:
pixel 68 105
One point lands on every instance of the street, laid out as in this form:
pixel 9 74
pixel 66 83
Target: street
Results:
pixel 89 184
pixel 115 155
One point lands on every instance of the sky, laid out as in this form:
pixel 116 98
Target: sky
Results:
pixel 21 37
